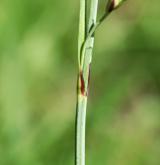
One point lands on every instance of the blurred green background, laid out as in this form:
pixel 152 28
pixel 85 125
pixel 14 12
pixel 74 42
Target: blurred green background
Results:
pixel 38 72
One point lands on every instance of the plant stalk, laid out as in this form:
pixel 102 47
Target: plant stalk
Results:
pixel 84 61
pixel 85 49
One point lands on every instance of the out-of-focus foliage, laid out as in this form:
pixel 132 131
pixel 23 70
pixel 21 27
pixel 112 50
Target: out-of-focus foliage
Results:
pixel 38 67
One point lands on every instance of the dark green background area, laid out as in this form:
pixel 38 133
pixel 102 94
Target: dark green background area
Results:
pixel 38 74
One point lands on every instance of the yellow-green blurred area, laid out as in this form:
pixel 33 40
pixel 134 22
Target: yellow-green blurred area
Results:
pixel 38 74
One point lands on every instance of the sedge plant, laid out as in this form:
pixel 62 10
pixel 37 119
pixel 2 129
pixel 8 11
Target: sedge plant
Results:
pixel 87 28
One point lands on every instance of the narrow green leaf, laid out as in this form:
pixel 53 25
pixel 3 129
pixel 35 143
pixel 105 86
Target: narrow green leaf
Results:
pixel 82 27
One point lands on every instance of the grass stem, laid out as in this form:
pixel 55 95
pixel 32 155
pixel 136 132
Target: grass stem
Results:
pixel 85 51
pixel 83 76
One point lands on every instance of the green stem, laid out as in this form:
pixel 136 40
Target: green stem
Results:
pixel 85 49
pixel 81 102
pixel 80 129
pixel 83 78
